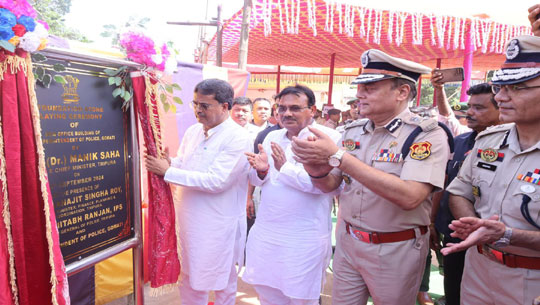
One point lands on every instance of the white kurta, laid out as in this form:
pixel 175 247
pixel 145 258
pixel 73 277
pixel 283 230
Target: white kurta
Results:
pixel 211 201
pixel 289 247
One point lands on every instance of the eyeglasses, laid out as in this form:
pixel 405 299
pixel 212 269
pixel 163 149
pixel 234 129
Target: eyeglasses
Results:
pixel 202 106
pixel 511 88
pixel 293 109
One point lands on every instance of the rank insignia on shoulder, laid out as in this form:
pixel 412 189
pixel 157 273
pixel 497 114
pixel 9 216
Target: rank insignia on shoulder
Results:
pixel 490 155
pixel 420 150
pixel 350 144
pixel 476 191
pixel 531 177
pixel 347 179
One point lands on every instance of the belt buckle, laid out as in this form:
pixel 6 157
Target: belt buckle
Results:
pixel 362 236
pixel 493 254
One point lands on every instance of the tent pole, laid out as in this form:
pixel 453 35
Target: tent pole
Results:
pixel 467 67
pixel 331 80
pixel 434 92
pixel 278 79
pixel 219 40
pixel 419 91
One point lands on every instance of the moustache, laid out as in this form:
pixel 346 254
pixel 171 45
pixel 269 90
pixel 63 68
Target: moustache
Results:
pixel 468 118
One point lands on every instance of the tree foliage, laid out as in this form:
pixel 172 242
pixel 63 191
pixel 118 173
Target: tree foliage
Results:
pixel 453 93
pixel 53 12
pixel 113 31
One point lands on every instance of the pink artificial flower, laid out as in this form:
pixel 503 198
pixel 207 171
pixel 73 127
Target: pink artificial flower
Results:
pixel 165 50
pixel 19 7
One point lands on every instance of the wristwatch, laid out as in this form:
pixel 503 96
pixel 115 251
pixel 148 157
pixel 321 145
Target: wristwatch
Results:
pixel 335 159
pixel 505 239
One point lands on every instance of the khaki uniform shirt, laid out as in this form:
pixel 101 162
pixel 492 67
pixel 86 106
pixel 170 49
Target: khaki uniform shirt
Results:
pixel 497 180
pixel 381 148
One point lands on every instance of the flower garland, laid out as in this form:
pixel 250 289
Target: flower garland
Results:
pixel 445 31
pixel 378 26
pixel 368 25
pixel 390 25
pixel 19 29
pixel 142 49
pixel 280 18
pixel 431 17
pixel 400 27
pixel 297 17
pixel 417 28
pixel 312 19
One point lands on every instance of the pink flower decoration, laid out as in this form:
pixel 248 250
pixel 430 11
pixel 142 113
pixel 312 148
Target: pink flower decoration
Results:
pixel 140 48
pixel 19 7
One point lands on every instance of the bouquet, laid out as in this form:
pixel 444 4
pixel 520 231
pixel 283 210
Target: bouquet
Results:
pixel 19 27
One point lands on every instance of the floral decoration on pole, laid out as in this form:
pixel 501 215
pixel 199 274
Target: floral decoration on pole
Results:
pixel 156 60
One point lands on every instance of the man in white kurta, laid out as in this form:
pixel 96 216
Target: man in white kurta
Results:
pixel 210 171
pixel 289 247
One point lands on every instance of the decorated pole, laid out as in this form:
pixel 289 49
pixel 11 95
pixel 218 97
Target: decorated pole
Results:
pixel 331 80
pixel 467 67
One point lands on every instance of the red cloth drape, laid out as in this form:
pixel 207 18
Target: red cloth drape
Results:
pixel 31 238
pixel 164 265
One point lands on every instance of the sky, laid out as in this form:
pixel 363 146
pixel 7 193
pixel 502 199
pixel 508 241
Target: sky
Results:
pixel 90 16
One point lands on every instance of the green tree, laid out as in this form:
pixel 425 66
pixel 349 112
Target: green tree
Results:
pixel 113 31
pixel 453 93
pixel 53 12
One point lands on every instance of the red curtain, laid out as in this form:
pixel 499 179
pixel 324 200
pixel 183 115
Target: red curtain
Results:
pixel 35 258
pixel 163 262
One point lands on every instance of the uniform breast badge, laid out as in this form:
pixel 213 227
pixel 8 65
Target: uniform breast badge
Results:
pixel 490 155
pixel 350 144
pixel 420 150
pixel 531 177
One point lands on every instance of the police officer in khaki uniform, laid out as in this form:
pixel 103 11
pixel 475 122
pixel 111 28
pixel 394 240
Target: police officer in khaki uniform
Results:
pixel 388 176
pixel 496 195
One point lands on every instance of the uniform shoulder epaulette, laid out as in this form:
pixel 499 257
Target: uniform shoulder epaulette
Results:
pixel 427 124
pixel 356 123
pixel 495 129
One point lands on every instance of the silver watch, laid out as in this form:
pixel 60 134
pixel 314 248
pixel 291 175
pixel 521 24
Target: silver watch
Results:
pixel 335 159
pixel 505 239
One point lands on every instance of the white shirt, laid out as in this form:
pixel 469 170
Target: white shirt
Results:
pixel 211 201
pixel 453 124
pixel 253 130
pixel 289 247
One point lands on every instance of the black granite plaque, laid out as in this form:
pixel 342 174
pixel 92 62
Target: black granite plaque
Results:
pixel 87 151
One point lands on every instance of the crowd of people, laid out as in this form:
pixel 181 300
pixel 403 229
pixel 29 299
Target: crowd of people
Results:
pixel 405 184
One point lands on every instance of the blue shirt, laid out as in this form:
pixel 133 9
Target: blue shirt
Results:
pixel 462 147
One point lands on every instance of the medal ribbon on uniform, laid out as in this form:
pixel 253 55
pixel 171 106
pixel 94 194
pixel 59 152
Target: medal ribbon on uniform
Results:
pixel 531 177
pixel 385 155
